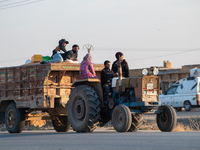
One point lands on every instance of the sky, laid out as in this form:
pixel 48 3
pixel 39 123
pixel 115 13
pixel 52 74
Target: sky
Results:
pixel 147 32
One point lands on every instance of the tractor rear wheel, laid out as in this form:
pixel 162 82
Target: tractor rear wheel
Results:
pixel 137 120
pixel 83 109
pixel 121 118
pixel 61 124
pixel 167 119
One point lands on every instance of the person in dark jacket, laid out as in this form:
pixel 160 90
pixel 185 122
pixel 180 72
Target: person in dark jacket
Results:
pixel 124 65
pixel 61 47
pixel 57 56
pixel 106 76
pixel 73 54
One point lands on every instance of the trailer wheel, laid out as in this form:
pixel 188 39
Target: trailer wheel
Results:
pixel 14 119
pixel 137 121
pixel 167 119
pixel 121 118
pixel 83 109
pixel 61 124
pixel 187 106
pixel 178 108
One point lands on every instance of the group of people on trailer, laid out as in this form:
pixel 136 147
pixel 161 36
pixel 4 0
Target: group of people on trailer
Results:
pixel 60 54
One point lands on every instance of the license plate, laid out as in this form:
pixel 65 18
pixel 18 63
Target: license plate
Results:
pixel 149 86
pixel 152 92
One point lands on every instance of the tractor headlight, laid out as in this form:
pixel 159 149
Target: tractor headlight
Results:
pixel 144 71
pixel 155 71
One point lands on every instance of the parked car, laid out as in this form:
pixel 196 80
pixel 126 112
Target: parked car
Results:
pixel 185 93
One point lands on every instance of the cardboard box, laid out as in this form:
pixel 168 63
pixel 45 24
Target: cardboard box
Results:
pixel 36 58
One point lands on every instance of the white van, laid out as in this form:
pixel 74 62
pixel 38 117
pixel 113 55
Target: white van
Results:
pixel 185 93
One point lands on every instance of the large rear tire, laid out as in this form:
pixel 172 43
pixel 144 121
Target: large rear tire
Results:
pixel 166 120
pixel 137 120
pixel 61 124
pixel 121 118
pixel 14 119
pixel 83 109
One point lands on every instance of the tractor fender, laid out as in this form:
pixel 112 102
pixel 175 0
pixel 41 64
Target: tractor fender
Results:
pixel 94 83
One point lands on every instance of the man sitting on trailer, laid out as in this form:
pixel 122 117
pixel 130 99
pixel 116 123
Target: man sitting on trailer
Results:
pixel 57 56
pixel 72 54
pixel 106 76
pixel 61 47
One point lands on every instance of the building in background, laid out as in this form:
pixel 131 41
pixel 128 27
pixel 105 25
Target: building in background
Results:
pixel 168 75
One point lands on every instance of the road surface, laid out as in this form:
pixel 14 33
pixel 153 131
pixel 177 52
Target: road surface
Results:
pixel 100 140
pixel 103 139
pixel 180 114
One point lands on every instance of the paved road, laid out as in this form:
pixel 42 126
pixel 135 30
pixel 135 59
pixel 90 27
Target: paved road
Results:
pixel 180 114
pixel 101 140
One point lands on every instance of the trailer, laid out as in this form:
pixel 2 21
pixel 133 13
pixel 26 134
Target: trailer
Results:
pixel 35 87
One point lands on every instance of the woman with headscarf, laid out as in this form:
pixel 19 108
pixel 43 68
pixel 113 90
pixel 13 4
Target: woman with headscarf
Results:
pixel 86 68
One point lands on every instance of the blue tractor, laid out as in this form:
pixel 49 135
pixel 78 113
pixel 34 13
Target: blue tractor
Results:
pixel 129 100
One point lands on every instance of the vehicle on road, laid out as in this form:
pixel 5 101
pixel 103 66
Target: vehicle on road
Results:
pixel 42 89
pixel 130 99
pixel 185 93
pixel 56 89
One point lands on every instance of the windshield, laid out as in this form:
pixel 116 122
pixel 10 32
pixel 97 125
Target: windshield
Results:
pixel 171 90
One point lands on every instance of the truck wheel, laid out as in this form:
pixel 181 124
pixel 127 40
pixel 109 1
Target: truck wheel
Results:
pixel 14 119
pixel 167 119
pixel 187 106
pixel 137 121
pixel 121 118
pixel 61 124
pixel 83 109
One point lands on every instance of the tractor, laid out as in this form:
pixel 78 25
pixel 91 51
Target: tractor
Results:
pixel 129 99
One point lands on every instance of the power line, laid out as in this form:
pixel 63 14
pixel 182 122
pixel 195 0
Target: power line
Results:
pixel 13 60
pixel 142 49
pixel 16 59
pixel 3 1
pixel 138 59
pixel 14 3
pixel 22 4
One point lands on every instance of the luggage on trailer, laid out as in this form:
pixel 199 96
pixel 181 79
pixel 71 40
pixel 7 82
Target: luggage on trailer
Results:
pixel 36 58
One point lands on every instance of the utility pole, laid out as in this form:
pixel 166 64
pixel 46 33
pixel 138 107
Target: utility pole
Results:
pixel 88 47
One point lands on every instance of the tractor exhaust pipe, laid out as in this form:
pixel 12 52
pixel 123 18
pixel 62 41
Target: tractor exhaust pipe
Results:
pixel 120 73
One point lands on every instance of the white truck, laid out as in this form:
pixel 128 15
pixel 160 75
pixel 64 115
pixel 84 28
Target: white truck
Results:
pixel 184 93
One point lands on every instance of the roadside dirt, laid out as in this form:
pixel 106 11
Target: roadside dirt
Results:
pixel 183 124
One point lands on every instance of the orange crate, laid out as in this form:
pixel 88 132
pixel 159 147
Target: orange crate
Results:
pixel 36 58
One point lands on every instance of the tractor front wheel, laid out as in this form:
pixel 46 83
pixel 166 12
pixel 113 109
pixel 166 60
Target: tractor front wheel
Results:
pixel 121 118
pixel 167 119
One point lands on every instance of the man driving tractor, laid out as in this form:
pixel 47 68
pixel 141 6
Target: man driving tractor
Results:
pixel 106 76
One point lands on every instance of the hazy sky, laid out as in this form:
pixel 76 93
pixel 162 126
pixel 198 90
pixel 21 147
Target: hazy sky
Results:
pixel 146 31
